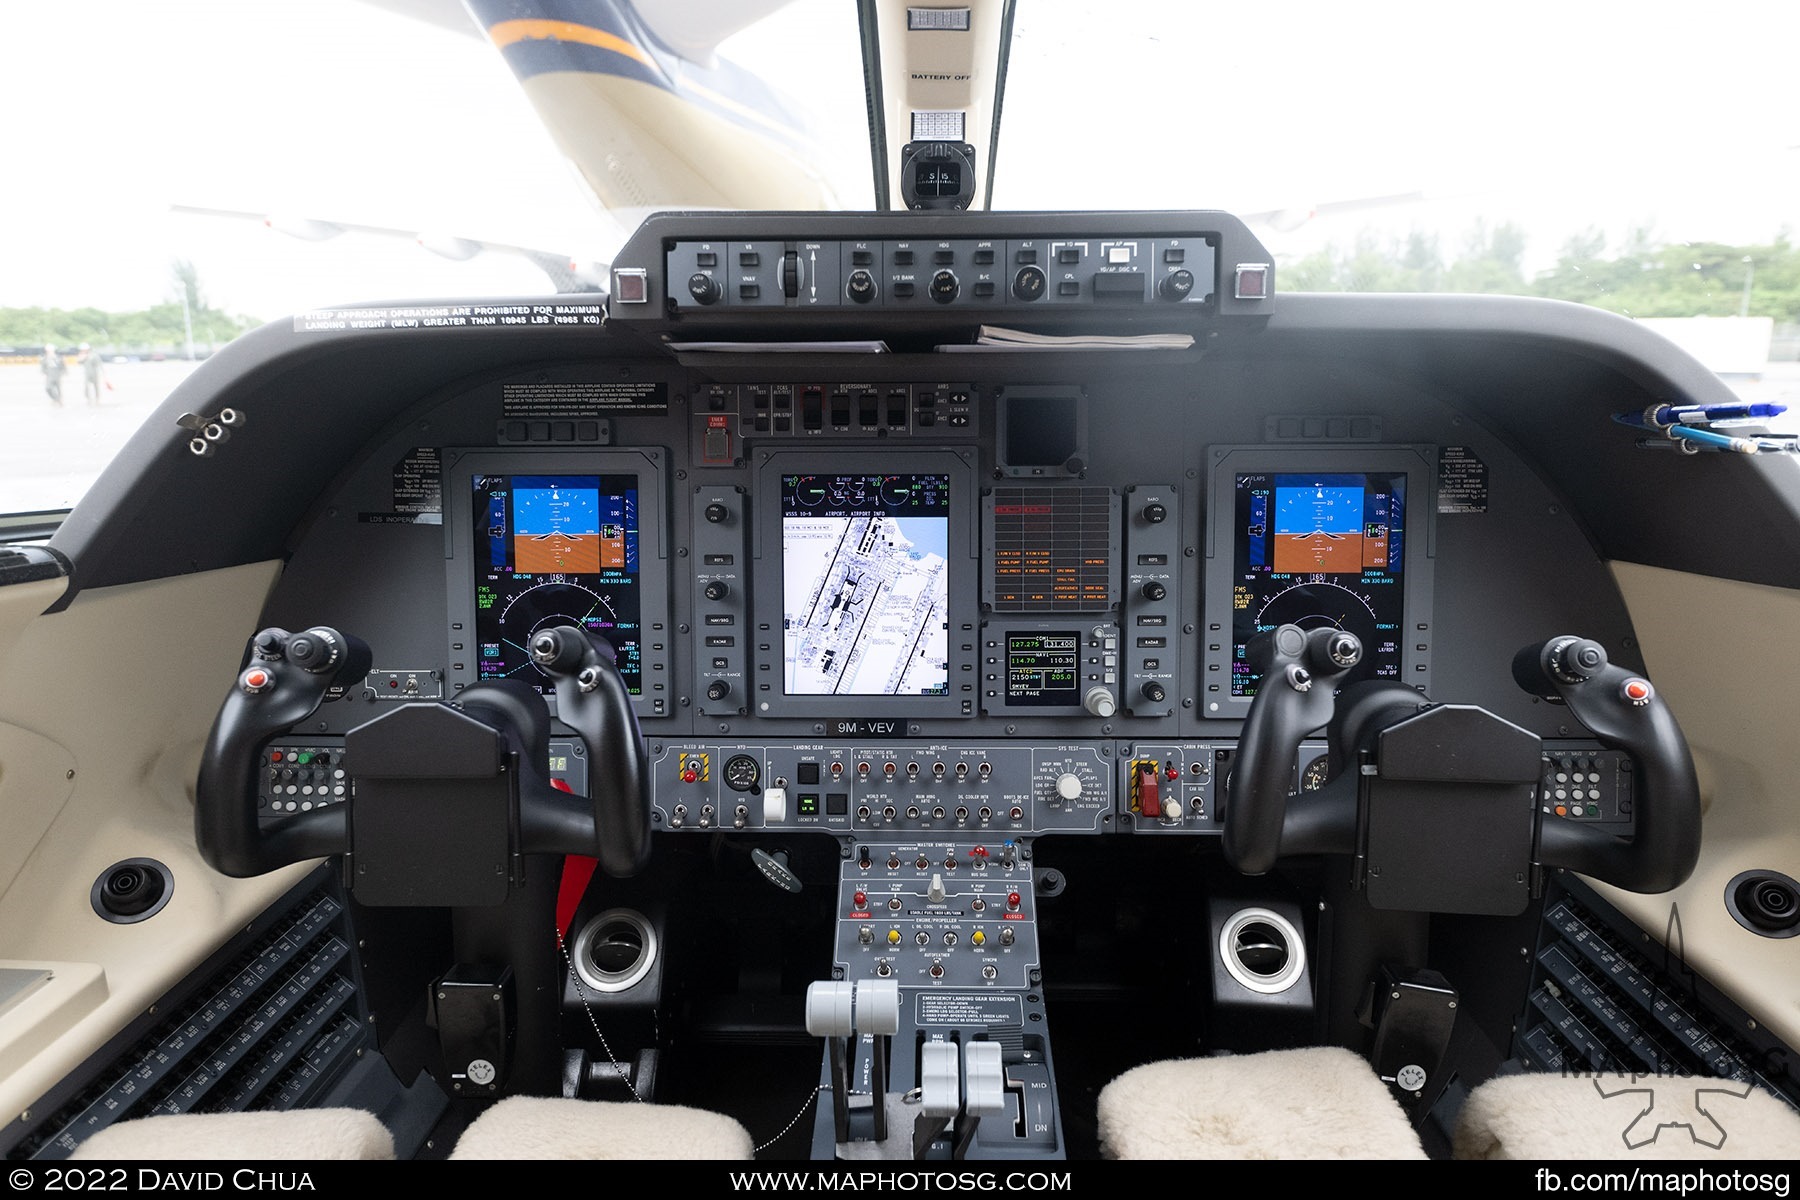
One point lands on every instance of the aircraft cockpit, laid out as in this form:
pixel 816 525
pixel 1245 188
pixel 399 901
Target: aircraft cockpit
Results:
pixel 928 685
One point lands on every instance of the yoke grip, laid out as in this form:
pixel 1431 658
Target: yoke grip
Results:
pixel 272 693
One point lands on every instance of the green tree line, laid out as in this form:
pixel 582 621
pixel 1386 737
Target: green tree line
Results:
pixel 161 326
pixel 158 327
pixel 1641 277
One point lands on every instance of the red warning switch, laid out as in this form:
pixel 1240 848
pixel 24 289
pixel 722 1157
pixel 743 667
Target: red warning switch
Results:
pixel 1149 791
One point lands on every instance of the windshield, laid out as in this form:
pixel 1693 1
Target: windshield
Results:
pixel 200 168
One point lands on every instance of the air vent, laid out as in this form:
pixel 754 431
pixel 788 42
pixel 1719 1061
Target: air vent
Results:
pixel 1765 902
pixel 267 1025
pixel 1262 950
pixel 615 950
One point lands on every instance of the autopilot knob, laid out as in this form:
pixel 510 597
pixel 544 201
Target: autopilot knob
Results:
pixel 704 288
pixel 1029 283
pixel 944 287
pixel 1099 702
pixel 1176 285
pixel 860 286
pixel 717 589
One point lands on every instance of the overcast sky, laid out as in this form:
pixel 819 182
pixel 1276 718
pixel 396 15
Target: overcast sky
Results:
pixel 1560 115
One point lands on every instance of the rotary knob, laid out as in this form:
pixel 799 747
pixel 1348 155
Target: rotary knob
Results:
pixel 704 288
pixel 1068 786
pixel 1099 702
pixel 1176 284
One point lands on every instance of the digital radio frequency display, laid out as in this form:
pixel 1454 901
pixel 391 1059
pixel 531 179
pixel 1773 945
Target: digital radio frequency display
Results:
pixel 865 585
pixel 1317 551
pixel 555 550
pixel 1043 668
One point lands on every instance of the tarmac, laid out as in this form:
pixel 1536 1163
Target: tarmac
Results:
pixel 49 455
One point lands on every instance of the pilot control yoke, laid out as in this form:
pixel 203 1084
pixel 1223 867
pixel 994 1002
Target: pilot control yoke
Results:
pixel 1438 803
pixel 452 795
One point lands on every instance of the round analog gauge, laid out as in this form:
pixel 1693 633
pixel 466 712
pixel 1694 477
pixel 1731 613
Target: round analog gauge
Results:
pixel 1316 774
pixel 742 773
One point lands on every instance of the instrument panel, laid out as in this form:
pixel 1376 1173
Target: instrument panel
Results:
pixel 867 588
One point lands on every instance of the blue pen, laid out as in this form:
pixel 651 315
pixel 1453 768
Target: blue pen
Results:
pixel 1706 437
pixel 1664 415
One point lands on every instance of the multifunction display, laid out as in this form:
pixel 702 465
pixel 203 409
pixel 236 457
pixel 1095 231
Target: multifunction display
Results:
pixel 1043 668
pixel 555 549
pixel 1320 550
pixel 865 584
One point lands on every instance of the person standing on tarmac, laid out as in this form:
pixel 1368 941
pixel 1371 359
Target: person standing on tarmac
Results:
pixel 53 366
pixel 93 369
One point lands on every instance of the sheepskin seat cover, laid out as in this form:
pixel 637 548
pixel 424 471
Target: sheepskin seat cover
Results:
pixel 1319 1102
pixel 308 1133
pixel 533 1127
pixel 1623 1116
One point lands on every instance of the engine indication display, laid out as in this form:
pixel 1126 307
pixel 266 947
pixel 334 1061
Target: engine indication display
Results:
pixel 555 549
pixel 1320 550
pixel 865 584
